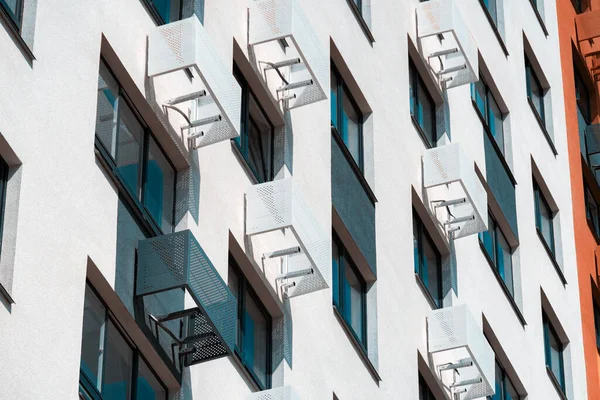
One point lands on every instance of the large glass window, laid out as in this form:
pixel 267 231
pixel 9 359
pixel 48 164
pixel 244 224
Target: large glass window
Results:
pixel 553 349
pixel 111 368
pixel 253 344
pixel 428 262
pixel 505 390
pixel 256 140
pixel 499 252
pixel 535 91
pixel 346 117
pixel 14 9
pixel 544 219
pixel 133 154
pixel 489 111
pixel 349 292
pixel 422 106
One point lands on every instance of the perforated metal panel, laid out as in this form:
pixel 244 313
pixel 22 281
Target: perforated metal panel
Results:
pixel 442 17
pixel 284 19
pixel 453 334
pixel 176 261
pixel 279 205
pixel 280 393
pixel 447 165
pixel 186 44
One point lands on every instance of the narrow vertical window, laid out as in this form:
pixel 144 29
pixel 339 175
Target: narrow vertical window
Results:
pixel 544 220
pixel 489 111
pixel 346 117
pixel 256 140
pixel 597 323
pixel 428 261
pixel 554 352
pixel 505 389
pixel 535 91
pixel 424 391
pixel 14 10
pixel 499 252
pixel 253 344
pixel 349 292
pixel 422 107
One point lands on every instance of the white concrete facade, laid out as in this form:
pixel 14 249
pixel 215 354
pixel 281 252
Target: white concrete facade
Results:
pixel 62 208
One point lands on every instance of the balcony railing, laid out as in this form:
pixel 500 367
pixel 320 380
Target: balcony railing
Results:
pixel 462 357
pixel 279 205
pixel 301 71
pixel 463 209
pixel 352 201
pixel 172 269
pixel 280 393
pixel 454 61
pixel 216 104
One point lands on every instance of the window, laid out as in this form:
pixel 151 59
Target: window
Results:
pixel 358 5
pixel 256 140
pixel 591 211
pixel 168 10
pixel 346 118
pixel 597 323
pixel 505 390
pixel 553 349
pixel 14 9
pixel 492 7
pixel 499 252
pixel 3 183
pixel 544 219
pixel 584 108
pixel 133 154
pixel 422 106
pixel 428 262
pixel 489 111
pixel 535 91
pixel 349 292
pixel 424 391
pixel 111 368
pixel 254 327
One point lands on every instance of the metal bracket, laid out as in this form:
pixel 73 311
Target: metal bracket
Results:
pixel 284 252
pixel 295 274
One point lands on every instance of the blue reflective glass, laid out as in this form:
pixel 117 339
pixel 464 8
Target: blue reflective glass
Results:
pixel 14 9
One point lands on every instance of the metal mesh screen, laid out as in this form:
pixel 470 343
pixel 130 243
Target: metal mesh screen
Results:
pixel 437 17
pixel 277 19
pixel 177 261
pixel 280 205
pixel 280 393
pixel 450 165
pixel 454 331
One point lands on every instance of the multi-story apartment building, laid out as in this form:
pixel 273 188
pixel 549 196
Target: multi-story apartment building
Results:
pixel 277 199
pixel 579 32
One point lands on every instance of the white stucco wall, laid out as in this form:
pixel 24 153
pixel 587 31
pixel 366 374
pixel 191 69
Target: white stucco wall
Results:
pixel 68 207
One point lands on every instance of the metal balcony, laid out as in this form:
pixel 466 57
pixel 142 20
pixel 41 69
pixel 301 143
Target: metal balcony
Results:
pixel 454 62
pixel 302 69
pixel 185 44
pixel 176 264
pixel 280 393
pixel 588 34
pixel 463 211
pixel 279 205
pixel 462 357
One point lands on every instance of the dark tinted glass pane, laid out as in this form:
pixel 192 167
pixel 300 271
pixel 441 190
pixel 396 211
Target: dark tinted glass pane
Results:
pixel 335 264
pixel 256 339
pixel 233 281
pixel 108 92
pixel 591 210
pixel 583 97
pixel 92 342
pixel 546 227
pixel 168 9
pixel 14 9
pixel 353 301
pixel 148 386
pixel 334 100
pixel 504 260
pixel 160 188
pixel 536 94
pixel 555 356
pixel 432 270
pixel 492 8
pixel 597 323
pixel 495 123
pixel 130 136
pixel 351 127
pixel 260 143
pixel 488 239
pixel 479 95
pixel 498 383
pixel 426 113
pixel 116 384
pixel 510 393
pixel 417 256
pixel 411 89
